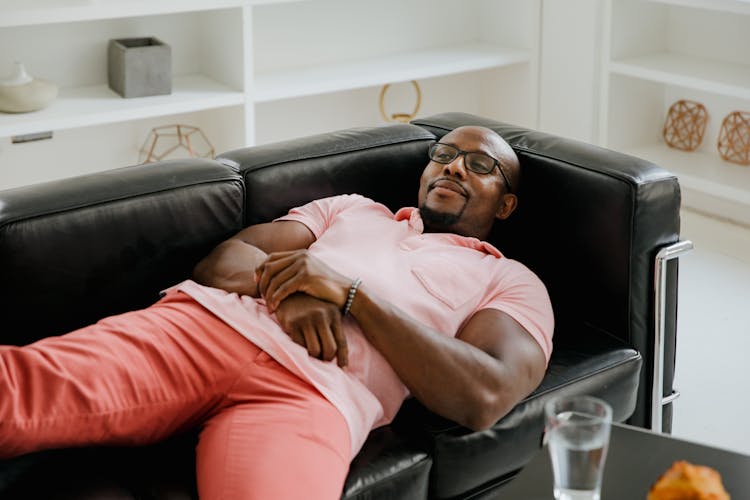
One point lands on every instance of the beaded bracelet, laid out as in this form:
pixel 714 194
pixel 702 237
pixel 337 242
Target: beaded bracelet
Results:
pixel 350 297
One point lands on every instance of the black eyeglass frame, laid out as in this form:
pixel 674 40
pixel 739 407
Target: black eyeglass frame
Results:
pixel 459 152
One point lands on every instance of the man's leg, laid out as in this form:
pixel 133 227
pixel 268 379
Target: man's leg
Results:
pixel 277 438
pixel 129 379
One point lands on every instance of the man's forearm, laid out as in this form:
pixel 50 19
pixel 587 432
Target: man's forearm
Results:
pixel 449 376
pixel 231 267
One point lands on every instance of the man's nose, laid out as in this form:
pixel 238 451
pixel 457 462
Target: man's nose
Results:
pixel 457 167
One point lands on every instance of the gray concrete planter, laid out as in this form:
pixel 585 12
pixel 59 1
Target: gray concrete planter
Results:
pixel 139 67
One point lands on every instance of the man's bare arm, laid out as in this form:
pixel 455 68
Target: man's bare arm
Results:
pixel 309 321
pixel 473 379
pixel 231 265
pixel 314 324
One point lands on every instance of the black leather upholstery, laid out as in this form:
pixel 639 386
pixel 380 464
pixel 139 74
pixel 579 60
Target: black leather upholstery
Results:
pixel 76 250
pixel 381 163
pixel 164 471
pixel 589 223
pixel 390 466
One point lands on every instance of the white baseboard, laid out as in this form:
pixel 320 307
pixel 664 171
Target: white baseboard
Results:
pixel 717 235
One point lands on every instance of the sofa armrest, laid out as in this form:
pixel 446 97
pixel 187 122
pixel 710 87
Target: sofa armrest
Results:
pixel 463 460
pixel 590 223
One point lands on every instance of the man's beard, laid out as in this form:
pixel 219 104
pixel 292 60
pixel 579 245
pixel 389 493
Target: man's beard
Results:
pixel 438 222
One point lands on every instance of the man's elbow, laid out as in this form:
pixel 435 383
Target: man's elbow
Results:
pixel 480 423
pixel 497 398
pixel 486 412
pixel 199 272
pixel 208 270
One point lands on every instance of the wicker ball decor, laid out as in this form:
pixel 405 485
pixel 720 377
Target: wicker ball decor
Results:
pixel 685 125
pixel 734 138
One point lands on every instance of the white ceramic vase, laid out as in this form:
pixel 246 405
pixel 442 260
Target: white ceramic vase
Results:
pixel 21 93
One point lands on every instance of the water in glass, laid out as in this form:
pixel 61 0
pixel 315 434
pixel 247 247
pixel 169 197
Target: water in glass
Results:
pixel 577 448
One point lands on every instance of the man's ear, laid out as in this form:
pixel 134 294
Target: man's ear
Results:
pixel 507 206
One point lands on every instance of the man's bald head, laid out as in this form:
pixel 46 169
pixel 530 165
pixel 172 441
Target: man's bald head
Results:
pixel 503 152
pixel 468 182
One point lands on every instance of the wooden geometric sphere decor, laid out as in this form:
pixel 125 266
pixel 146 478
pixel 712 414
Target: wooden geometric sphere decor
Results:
pixel 175 141
pixel 685 125
pixel 734 138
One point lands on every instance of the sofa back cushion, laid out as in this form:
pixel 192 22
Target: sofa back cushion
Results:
pixel 382 163
pixel 76 250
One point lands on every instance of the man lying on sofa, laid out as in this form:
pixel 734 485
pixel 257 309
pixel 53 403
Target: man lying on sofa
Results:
pixel 303 335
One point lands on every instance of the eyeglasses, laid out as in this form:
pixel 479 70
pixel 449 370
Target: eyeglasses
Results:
pixel 479 163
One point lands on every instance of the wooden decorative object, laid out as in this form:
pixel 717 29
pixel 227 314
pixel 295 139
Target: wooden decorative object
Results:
pixel 400 117
pixel 164 141
pixel 734 138
pixel 685 125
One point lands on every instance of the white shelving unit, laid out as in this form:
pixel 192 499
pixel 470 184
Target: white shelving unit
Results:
pixel 417 65
pixel 656 52
pixel 97 105
pixel 94 129
pixel 736 6
pixel 319 65
pixel 36 12
pixel 690 72
pixel 256 71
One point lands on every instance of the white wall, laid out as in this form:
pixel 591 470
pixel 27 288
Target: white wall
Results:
pixel 569 69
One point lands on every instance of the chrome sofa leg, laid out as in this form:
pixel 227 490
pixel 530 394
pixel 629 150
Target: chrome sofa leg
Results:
pixel 658 400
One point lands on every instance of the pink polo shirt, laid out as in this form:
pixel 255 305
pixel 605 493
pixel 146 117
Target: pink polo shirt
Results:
pixel 439 279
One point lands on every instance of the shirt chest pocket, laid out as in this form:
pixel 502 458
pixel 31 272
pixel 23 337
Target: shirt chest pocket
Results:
pixel 454 285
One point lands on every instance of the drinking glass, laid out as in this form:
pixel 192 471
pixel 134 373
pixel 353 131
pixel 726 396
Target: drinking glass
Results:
pixel 577 435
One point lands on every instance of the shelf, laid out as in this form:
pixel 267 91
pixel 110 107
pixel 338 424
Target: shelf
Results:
pixel 687 71
pixel 711 184
pixel 734 6
pixel 33 12
pixel 96 105
pixel 379 71
pixel 701 171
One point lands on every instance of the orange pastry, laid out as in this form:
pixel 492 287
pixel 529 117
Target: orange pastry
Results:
pixel 685 481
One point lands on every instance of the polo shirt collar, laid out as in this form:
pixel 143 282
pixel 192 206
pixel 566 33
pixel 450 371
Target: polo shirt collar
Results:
pixel 411 214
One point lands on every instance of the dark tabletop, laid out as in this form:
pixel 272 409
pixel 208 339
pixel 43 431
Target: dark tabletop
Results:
pixel 635 460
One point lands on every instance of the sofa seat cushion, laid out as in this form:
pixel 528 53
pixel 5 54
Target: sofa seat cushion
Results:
pixel 464 461
pixel 388 466
pixel 161 471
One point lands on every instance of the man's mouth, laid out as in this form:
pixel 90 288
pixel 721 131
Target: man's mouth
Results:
pixel 449 185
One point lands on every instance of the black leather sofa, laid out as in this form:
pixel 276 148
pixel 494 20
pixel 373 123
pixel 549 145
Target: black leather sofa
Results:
pixel 590 223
